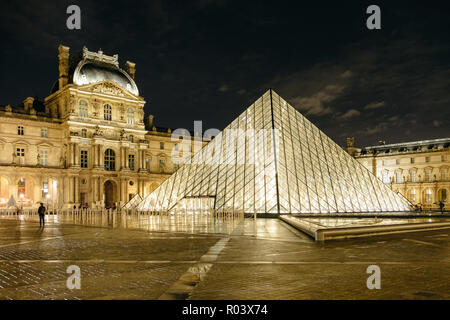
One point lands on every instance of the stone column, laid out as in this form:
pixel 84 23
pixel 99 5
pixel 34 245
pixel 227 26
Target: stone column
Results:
pixel 71 190
pixel 94 189
pixel 77 189
pixel 100 156
pixel 77 154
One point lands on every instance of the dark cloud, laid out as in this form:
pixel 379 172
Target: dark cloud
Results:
pixel 208 60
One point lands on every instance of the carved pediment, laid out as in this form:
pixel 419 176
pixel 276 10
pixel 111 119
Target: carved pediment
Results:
pixel 109 88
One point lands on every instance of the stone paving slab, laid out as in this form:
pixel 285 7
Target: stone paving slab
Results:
pixel 269 260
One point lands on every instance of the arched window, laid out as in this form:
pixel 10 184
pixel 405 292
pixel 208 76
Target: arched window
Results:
pixel 110 160
pixel 107 112
pixel 399 177
pixel 21 187
pixel 83 111
pixel 428 175
pixel 130 116
pixel 443 195
pixel 385 176
pixel 428 194
pixel 413 195
pixel 444 174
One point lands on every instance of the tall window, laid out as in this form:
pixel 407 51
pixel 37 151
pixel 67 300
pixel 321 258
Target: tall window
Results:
pixel 21 186
pixel 107 112
pixel 444 195
pixel 43 156
pixel 428 194
pixel 84 158
pixel 428 175
pixel 20 153
pixel 444 174
pixel 385 177
pixel 413 195
pixel 44 188
pixel 412 160
pixel 83 111
pixel 413 176
pixel 43 132
pixel 162 164
pixel 161 145
pixel 130 116
pixel 20 130
pixel 427 159
pixel 110 160
pixel 398 177
pixel 131 161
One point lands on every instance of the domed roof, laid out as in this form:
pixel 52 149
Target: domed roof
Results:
pixel 92 71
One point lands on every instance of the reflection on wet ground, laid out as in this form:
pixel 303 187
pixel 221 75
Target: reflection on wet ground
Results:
pixel 206 223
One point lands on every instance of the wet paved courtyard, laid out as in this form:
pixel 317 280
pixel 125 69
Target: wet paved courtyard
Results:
pixel 136 258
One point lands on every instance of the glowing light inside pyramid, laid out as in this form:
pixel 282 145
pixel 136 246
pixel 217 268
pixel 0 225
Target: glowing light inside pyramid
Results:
pixel 271 159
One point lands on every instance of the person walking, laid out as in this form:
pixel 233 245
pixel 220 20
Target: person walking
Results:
pixel 41 212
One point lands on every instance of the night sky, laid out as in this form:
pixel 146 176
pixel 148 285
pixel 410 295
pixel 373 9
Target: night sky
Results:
pixel 209 60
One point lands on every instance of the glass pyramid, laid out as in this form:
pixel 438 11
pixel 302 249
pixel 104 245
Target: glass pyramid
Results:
pixel 271 159
pixel 133 203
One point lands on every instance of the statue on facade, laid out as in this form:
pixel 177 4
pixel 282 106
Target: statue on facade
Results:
pixel 14 158
pixel 98 132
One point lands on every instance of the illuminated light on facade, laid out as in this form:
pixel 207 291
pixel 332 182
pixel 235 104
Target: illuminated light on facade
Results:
pixel 276 162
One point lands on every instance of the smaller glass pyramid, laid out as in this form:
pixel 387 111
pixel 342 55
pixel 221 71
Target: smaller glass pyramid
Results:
pixel 271 159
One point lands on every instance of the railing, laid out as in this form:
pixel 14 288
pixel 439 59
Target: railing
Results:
pixel 201 221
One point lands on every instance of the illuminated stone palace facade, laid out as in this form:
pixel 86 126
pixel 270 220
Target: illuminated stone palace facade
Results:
pixel 87 143
pixel 419 170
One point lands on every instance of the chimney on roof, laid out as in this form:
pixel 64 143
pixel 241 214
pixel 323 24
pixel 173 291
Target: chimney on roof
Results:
pixel 350 142
pixel 130 68
pixel 63 55
pixel 149 121
pixel 350 147
pixel 28 103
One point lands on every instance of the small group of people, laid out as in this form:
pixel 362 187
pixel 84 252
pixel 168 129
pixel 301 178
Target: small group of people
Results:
pixel 418 207
pixel 85 206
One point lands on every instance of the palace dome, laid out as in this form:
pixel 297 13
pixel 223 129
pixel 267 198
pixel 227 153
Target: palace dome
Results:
pixel 91 72
pixel 91 67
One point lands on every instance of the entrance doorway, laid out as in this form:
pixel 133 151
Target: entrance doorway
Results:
pixel 109 195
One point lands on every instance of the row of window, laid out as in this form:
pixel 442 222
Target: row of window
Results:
pixel 107 112
pixel 43 156
pixel 413 160
pixel 110 161
pixel 20 131
pixel 399 178
pixel 428 196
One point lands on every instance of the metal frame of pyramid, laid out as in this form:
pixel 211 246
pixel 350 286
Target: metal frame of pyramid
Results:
pixel 271 159
pixel 133 203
